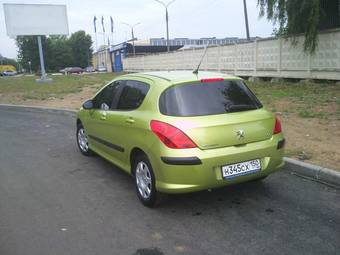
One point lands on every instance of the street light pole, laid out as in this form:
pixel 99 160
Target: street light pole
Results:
pixel 167 29
pixel 167 21
pixel 246 18
pixel 132 35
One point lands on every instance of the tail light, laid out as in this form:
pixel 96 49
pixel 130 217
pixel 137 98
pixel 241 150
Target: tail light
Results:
pixel 171 136
pixel 277 127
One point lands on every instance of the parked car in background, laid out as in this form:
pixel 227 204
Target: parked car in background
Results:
pixel 102 69
pixel 178 132
pixel 89 69
pixel 9 73
pixel 70 70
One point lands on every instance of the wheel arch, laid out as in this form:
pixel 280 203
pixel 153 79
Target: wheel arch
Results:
pixel 79 122
pixel 133 154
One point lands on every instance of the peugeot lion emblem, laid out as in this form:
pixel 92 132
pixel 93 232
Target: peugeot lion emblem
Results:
pixel 240 134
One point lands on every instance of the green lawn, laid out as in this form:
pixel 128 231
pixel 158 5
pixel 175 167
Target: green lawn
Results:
pixel 27 88
pixel 307 100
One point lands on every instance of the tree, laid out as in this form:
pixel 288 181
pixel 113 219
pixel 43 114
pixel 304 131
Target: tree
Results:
pixel 59 51
pixel 80 44
pixel 28 51
pixel 301 16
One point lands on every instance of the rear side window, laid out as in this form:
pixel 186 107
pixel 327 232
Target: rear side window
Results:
pixel 199 98
pixel 132 95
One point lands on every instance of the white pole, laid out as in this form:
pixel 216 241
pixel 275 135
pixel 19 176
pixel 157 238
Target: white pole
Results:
pixel 43 77
pixel 41 55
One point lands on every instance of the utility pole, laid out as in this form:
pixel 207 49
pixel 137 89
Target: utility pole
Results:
pixel 167 29
pixel 132 35
pixel 133 42
pixel 246 18
pixel 167 21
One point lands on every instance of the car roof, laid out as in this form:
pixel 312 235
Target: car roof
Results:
pixel 174 77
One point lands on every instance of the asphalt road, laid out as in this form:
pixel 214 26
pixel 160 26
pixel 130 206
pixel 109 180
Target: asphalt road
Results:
pixel 53 200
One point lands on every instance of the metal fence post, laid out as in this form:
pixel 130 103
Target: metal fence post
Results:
pixel 309 65
pixel 279 57
pixel 235 58
pixel 193 59
pixel 219 57
pixel 255 57
pixel 206 58
pixel 143 61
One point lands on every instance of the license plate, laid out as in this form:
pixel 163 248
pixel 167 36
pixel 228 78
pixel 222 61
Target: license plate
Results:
pixel 242 168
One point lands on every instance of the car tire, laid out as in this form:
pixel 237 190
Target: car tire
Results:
pixel 145 182
pixel 82 141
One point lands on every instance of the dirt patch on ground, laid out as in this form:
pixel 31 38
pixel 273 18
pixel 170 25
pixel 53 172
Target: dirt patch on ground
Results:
pixel 70 101
pixel 313 140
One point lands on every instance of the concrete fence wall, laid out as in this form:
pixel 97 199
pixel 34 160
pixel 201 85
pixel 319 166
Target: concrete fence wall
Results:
pixel 262 58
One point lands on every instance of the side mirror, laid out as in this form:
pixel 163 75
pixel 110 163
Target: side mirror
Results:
pixel 88 105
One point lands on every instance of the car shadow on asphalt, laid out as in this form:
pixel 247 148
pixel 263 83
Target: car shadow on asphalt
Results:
pixel 239 196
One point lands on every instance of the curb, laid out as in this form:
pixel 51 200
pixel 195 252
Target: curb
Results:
pixel 41 108
pixel 315 172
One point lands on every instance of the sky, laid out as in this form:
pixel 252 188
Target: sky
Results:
pixel 187 18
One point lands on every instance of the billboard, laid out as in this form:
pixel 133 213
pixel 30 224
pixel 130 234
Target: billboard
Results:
pixel 35 19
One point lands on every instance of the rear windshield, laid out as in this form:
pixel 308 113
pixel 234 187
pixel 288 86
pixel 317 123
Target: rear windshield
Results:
pixel 197 99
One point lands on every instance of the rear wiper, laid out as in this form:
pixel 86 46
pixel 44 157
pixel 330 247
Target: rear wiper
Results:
pixel 241 107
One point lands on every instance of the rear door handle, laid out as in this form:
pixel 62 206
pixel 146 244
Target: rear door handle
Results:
pixel 130 120
pixel 103 116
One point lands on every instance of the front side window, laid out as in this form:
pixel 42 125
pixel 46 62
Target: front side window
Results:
pixel 105 99
pixel 207 98
pixel 132 95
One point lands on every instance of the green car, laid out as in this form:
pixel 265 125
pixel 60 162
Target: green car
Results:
pixel 178 132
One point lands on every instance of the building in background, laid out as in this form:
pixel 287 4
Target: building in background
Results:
pixel 187 42
pixel 110 58
pixel 101 59
pixel 142 48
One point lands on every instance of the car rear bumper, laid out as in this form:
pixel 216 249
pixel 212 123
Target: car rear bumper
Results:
pixel 195 169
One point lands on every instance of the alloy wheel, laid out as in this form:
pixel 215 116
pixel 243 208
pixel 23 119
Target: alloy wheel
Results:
pixel 82 140
pixel 143 180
